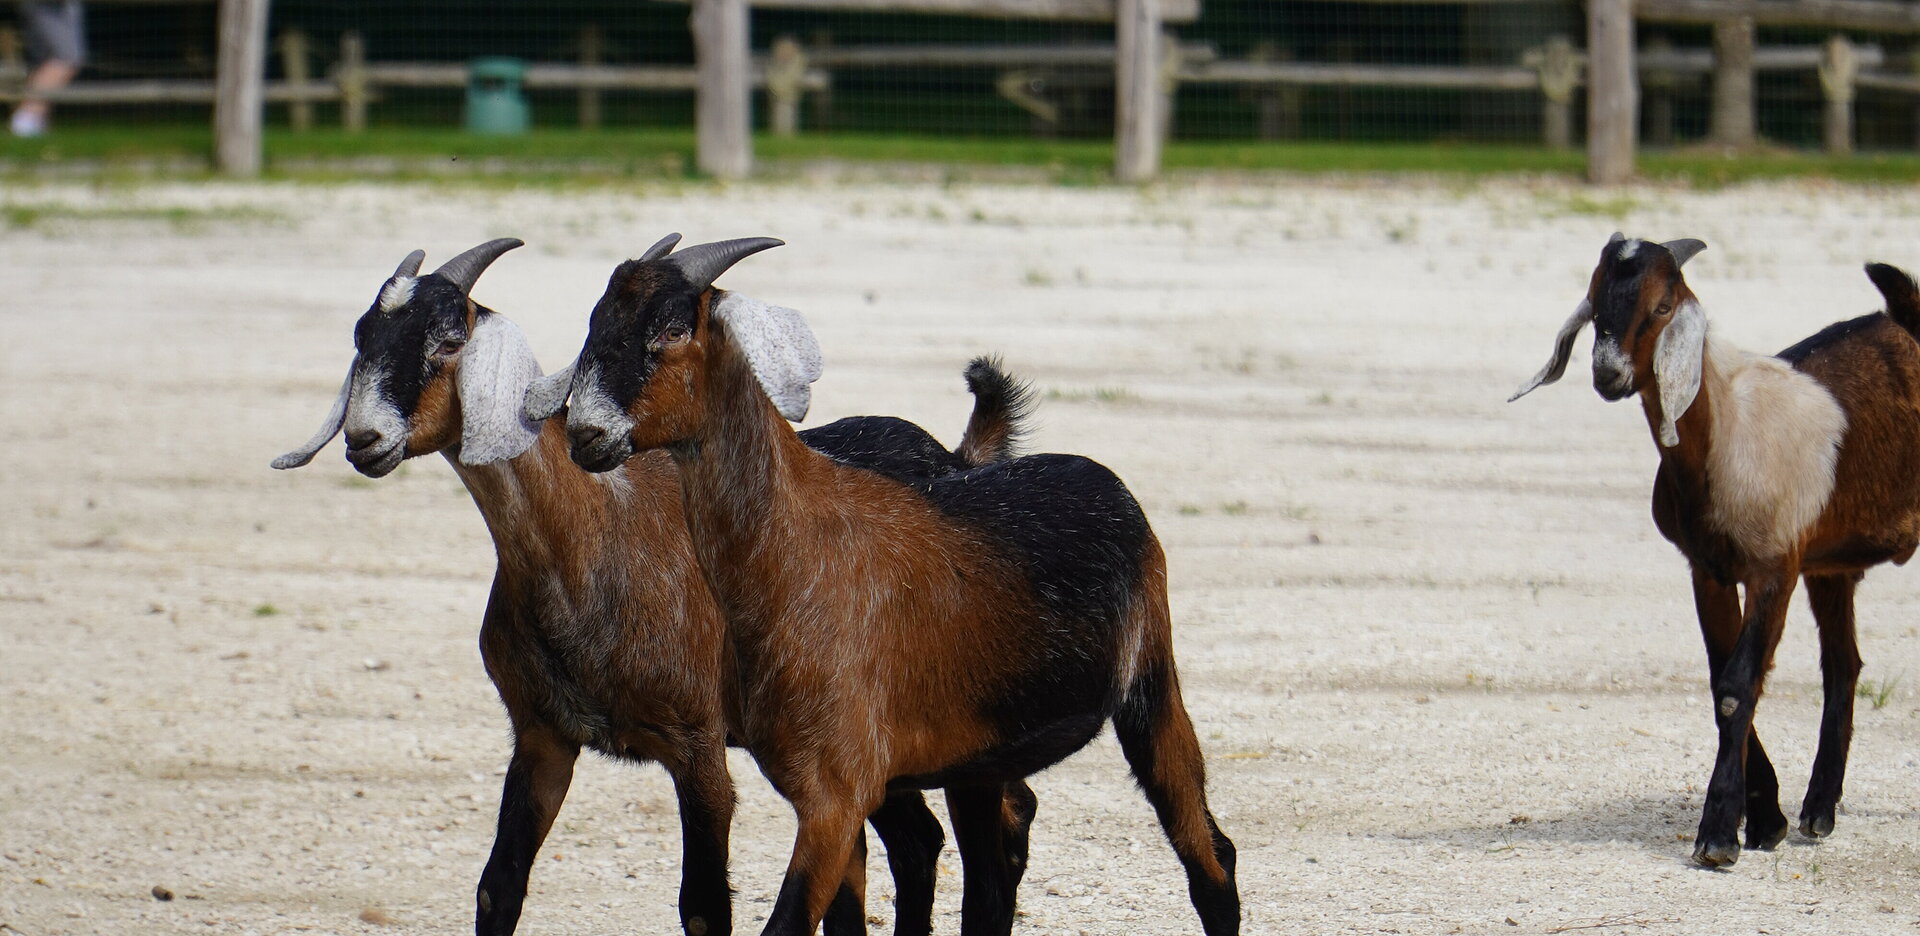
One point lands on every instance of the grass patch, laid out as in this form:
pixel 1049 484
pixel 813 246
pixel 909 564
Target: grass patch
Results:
pixel 1877 693
pixel 21 215
pixel 1095 395
pixel 560 155
pixel 265 609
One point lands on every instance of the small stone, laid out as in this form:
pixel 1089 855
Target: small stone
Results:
pixel 376 916
pixel 161 894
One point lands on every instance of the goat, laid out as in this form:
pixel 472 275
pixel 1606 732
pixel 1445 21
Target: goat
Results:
pixel 1798 465
pixel 963 632
pixel 600 630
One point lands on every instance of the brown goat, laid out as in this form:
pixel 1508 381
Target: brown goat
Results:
pixel 892 632
pixel 600 630
pixel 1799 465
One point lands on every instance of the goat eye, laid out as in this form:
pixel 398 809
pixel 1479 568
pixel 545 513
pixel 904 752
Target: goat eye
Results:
pixel 1664 310
pixel 449 347
pixel 674 334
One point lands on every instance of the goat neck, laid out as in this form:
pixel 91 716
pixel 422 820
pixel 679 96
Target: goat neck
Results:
pixel 739 473
pixel 537 504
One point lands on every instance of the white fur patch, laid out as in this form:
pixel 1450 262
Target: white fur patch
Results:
pixel 1775 440
pixel 1631 247
pixel 780 347
pixel 370 410
pixel 593 408
pixel 396 294
pixel 1608 353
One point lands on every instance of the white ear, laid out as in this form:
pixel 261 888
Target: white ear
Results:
pixel 547 395
pixel 1676 365
pixel 1562 349
pixel 496 367
pixel 779 346
pixel 336 418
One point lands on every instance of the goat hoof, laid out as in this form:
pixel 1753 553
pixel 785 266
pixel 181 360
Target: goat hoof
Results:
pixel 1716 856
pixel 1817 825
pixel 1764 839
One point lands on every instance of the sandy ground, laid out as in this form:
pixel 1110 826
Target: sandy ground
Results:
pixel 1445 670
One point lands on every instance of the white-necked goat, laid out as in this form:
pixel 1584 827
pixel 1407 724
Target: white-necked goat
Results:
pixel 600 630
pixel 895 633
pixel 1771 469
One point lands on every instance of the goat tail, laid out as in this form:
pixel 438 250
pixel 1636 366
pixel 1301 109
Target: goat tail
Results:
pixel 1903 298
pixel 1001 405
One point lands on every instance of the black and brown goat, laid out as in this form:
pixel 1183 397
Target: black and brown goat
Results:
pixel 893 632
pixel 1772 469
pixel 600 630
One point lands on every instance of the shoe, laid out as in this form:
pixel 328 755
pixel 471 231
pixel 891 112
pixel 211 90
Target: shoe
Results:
pixel 28 124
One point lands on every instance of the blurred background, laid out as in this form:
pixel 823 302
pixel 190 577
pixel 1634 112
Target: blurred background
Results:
pixel 1240 83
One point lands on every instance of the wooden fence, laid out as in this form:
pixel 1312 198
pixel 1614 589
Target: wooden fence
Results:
pixel 1148 66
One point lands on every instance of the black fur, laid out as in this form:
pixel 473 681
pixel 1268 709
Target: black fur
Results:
pixel 400 344
pixel 1903 299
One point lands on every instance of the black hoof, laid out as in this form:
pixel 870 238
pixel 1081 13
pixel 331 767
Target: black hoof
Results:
pixel 1764 838
pixel 1722 855
pixel 1817 824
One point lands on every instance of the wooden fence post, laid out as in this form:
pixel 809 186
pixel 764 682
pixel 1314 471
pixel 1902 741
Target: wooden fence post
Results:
pixel 1137 94
pixel 239 91
pixel 293 61
pixel 1733 120
pixel 591 43
pixel 1559 66
pixel 1839 66
pixel 352 75
pixel 723 102
pixel 786 69
pixel 1612 91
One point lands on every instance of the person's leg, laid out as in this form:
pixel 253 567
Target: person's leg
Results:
pixel 55 36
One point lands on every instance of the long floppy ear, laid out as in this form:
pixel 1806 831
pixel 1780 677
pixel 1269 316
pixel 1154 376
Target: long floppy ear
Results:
pixel 336 418
pixel 496 367
pixel 546 395
pixel 1562 349
pixel 1676 364
pixel 780 347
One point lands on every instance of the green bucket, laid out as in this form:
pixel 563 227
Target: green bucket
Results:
pixel 496 106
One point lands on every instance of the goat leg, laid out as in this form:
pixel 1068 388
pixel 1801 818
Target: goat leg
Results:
pixel 1832 600
pixel 536 784
pixel 1718 607
pixel 705 793
pixel 1158 740
pixel 913 839
pixel 1736 689
pixel 829 826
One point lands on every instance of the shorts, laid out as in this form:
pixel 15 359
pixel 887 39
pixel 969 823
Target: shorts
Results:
pixel 54 30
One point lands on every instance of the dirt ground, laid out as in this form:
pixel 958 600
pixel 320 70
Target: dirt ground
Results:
pixel 1445 670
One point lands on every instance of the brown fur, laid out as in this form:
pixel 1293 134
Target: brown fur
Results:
pixel 872 631
pixel 1870 370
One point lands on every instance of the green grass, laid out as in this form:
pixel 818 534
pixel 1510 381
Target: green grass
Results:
pixel 1877 692
pixel 566 155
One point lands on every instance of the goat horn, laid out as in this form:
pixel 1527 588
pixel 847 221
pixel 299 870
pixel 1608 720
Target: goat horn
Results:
pixel 661 247
pixel 701 264
pixel 463 271
pixel 411 265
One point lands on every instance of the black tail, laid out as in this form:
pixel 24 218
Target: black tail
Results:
pixel 1001 405
pixel 1903 299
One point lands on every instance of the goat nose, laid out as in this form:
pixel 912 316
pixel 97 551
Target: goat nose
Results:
pixel 584 437
pixel 361 438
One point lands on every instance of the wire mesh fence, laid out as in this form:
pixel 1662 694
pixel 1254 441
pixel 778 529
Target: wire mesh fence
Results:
pixel 1241 70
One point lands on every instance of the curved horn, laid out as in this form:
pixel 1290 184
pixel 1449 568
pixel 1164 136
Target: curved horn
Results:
pixel 661 247
pixel 701 264
pixel 464 270
pixel 1684 249
pixel 411 265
